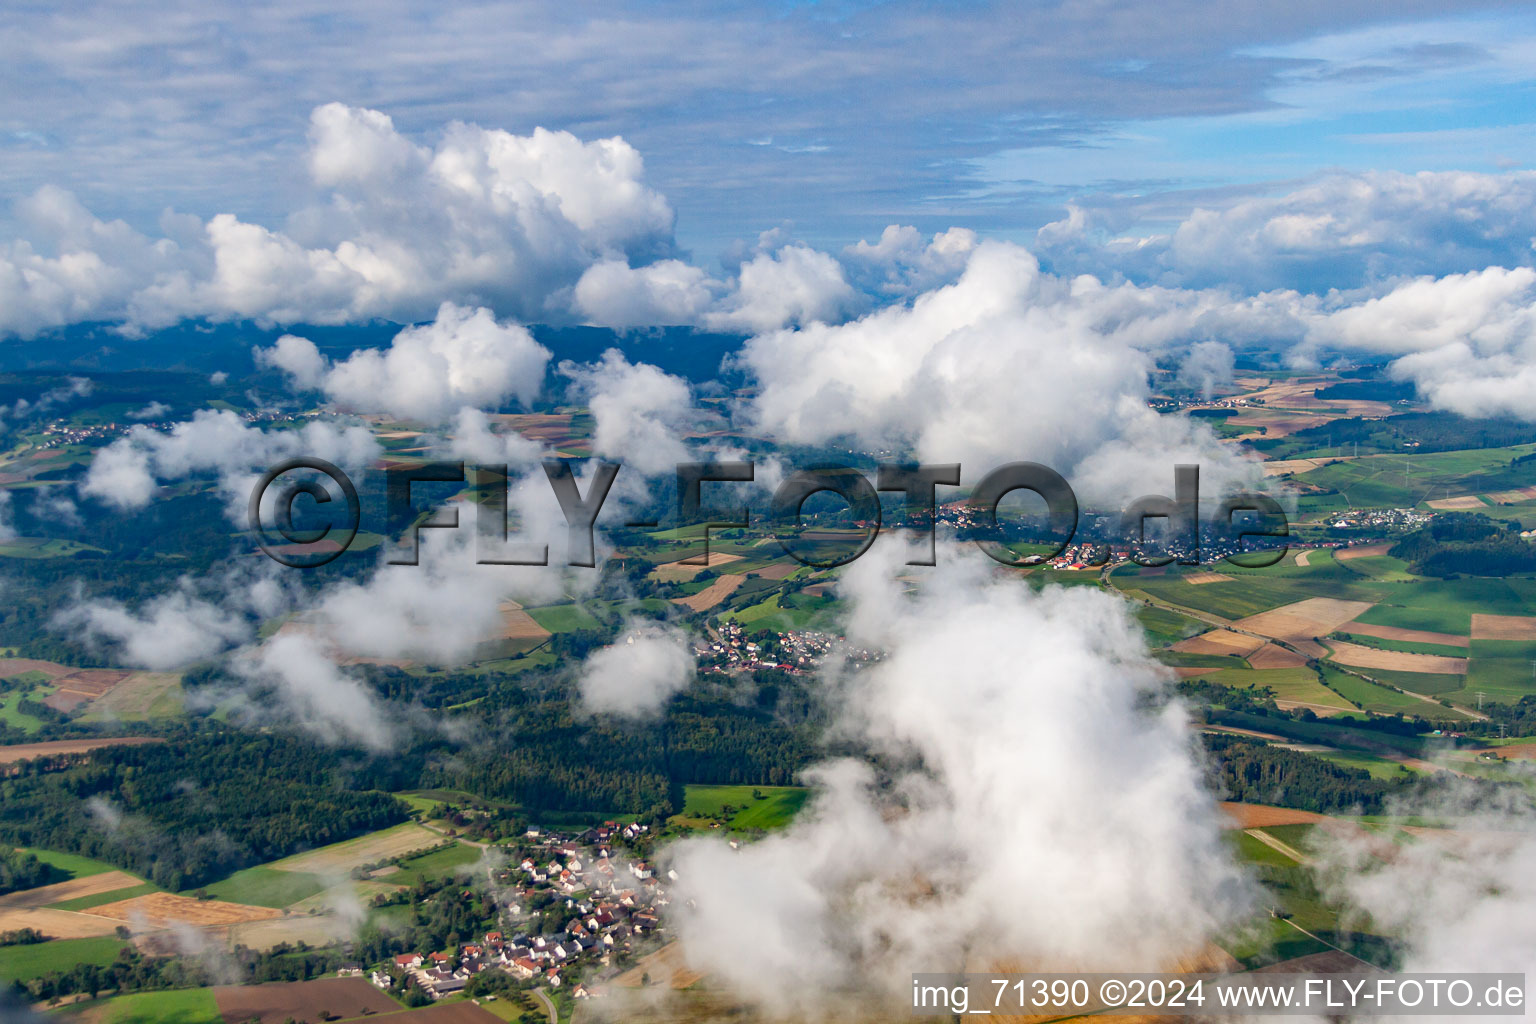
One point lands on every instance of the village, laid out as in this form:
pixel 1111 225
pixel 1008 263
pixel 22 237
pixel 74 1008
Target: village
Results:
pixel 614 903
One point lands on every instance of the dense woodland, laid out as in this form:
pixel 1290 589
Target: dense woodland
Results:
pixel 1466 544
pixel 1252 771
pixel 20 870
pixel 188 812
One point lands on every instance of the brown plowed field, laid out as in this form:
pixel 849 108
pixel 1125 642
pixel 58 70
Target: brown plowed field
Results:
pixel 1396 661
pixel 1262 816
pixel 27 751
pixel 1416 636
pixel 1274 656
pixel 1503 627
pixel 713 594
pixel 681 572
pixel 276 1002
pixel 1219 641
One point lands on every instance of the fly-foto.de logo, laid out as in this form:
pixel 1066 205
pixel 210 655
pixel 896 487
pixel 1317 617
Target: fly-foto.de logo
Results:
pixel 333 497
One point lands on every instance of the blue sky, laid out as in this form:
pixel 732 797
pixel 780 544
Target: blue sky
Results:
pixel 829 119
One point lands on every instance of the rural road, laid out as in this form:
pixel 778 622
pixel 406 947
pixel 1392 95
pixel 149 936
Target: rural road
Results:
pixel 1274 844
pixel 549 1005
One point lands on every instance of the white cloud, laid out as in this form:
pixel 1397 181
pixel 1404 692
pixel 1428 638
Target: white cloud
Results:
pixel 637 674
pixel 796 285
pixel 640 412
pixel 1342 231
pixel 128 471
pixel 1007 363
pixel 430 372
pixel 485 216
pixel 318 696
pixel 1037 810
pixel 297 357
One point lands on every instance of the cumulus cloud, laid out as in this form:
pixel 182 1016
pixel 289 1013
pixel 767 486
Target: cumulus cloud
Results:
pixel 902 263
pixel 464 357
pixel 481 216
pixel 796 285
pixel 1006 363
pixel 1206 366
pixel 127 472
pixel 639 411
pixel 637 674
pixel 1037 808
pixel 1342 231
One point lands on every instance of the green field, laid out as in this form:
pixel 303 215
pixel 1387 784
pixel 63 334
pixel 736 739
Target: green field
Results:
pixel 1447 606
pixel 177 1006
pixel 15 718
pixel 1166 627
pixel 1380 699
pixel 100 898
pixel 1406 646
pixel 21 963
pixel 1379 767
pixel 73 864
pixel 777 806
pixel 563 618
pixel 266 886
pixel 439 864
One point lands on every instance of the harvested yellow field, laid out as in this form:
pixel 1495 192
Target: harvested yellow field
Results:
pixel 162 909
pixel 682 572
pixel 1282 467
pixel 1247 816
pixel 1219 641
pixel 1304 620
pixel 140 696
pixel 316 929
pixel 713 594
pixel 340 858
pixel 667 966
pixel 1198 578
pixel 1515 497
pixel 1461 501
pixel 75 888
pixel 56 924
pixel 1503 627
pixel 1360 551
pixel 27 751
pixel 1417 636
pixel 517 624
pixel 1395 661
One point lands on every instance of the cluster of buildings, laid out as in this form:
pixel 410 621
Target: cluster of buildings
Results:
pixel 1395 519
pixel 607 903
pixel 795 651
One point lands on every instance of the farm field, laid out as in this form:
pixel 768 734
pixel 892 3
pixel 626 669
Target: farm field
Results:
pixel 266 886
pixel 76 865
pixel 562 618
pixel 53 748
pixel 712 595
pixel 1380 699
pixel 1398 661
pixel 73 889
pixel 61 924
pixel 438 864
pixel 276 1002
pixel 142 697
pixel 177 1006
pixel 777 806
pixel 376 846
pixel 20 963
pixel 163 909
